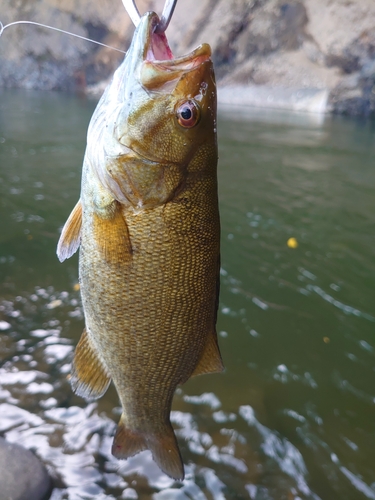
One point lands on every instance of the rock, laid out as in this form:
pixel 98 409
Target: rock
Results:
pixel 355 93
pixel 311 45
pixel 22 476
pixel 358 101
pixel 296 99
pixel 34 57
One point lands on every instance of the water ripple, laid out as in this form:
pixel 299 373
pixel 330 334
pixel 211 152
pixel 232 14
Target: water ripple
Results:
pixel 280 450
pixel 344 307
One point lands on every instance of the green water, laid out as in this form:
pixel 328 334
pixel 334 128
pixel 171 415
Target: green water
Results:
pixel 294 414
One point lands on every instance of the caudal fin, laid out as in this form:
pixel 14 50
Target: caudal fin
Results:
pixel 163 446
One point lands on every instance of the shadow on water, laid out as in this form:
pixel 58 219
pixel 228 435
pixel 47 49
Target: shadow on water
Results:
pixel 293 415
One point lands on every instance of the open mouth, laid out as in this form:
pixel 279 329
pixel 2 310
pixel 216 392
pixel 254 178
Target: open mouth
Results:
pixel 160 66
pixel 157 47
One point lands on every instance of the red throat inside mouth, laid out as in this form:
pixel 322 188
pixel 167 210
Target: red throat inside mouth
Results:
pixel 159 49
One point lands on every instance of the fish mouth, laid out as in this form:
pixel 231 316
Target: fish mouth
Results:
pixel 160 68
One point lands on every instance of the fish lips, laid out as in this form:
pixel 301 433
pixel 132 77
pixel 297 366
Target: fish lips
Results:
pixel 163 75
pixel 159 67
pixel 149 62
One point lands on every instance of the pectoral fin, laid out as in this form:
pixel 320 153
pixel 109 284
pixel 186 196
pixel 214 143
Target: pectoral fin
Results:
pixel 89 377
pixel 210 360
pixel 71 234
pixel 112 235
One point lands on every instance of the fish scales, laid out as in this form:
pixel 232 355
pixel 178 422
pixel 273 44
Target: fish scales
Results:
pixel 160 290
pixel 148 228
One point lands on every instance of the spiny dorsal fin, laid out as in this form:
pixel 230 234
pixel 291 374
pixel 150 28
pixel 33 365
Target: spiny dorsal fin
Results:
pixel 112 235
pixel 89 377
pixel 210 360
pixel 70 237
pixel 163 446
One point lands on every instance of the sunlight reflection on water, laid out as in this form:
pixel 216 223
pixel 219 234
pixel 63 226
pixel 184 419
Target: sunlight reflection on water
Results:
pixel 293 415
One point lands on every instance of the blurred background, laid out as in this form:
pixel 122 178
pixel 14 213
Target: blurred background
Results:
pixel 293 415
pixel 326 50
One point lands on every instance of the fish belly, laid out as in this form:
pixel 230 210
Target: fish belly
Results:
pixel 149 314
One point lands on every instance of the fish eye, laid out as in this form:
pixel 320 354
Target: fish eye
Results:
pixel 188 113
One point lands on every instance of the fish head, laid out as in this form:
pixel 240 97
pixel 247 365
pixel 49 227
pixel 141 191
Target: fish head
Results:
pixel 158 113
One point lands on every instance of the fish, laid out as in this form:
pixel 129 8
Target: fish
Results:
pixel 148 231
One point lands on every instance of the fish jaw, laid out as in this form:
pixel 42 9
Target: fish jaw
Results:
pixel 136 147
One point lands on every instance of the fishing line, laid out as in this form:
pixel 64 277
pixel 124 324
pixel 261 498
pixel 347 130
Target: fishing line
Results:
pixel 2 28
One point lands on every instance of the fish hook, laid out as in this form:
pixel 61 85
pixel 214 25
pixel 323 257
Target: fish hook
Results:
pixel 166 16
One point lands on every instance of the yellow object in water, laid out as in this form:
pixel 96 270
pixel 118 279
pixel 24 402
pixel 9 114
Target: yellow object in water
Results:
pixel 292 243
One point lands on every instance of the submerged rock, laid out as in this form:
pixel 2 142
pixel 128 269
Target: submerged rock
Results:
pixel 22 476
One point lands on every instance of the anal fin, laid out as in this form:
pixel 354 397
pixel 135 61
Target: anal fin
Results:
pixel 210 360
pixel 70 237
pixel 89 378
pixel 163 446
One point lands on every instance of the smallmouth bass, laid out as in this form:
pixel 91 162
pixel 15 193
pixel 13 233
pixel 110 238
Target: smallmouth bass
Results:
pixel 147 224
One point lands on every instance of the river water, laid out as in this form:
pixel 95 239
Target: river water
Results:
pixel 293 416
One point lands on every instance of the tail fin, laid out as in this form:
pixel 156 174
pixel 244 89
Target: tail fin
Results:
pixel 163 446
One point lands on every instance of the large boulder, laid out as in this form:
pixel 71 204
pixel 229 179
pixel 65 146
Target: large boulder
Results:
pixel 22 476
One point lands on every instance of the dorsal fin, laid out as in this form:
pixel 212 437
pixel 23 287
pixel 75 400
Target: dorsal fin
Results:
pixel 70 237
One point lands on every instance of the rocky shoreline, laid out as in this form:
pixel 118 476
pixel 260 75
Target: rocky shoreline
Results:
pixel 268 50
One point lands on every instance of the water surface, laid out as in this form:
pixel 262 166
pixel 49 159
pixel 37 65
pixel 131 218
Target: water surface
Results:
pixel 293 415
